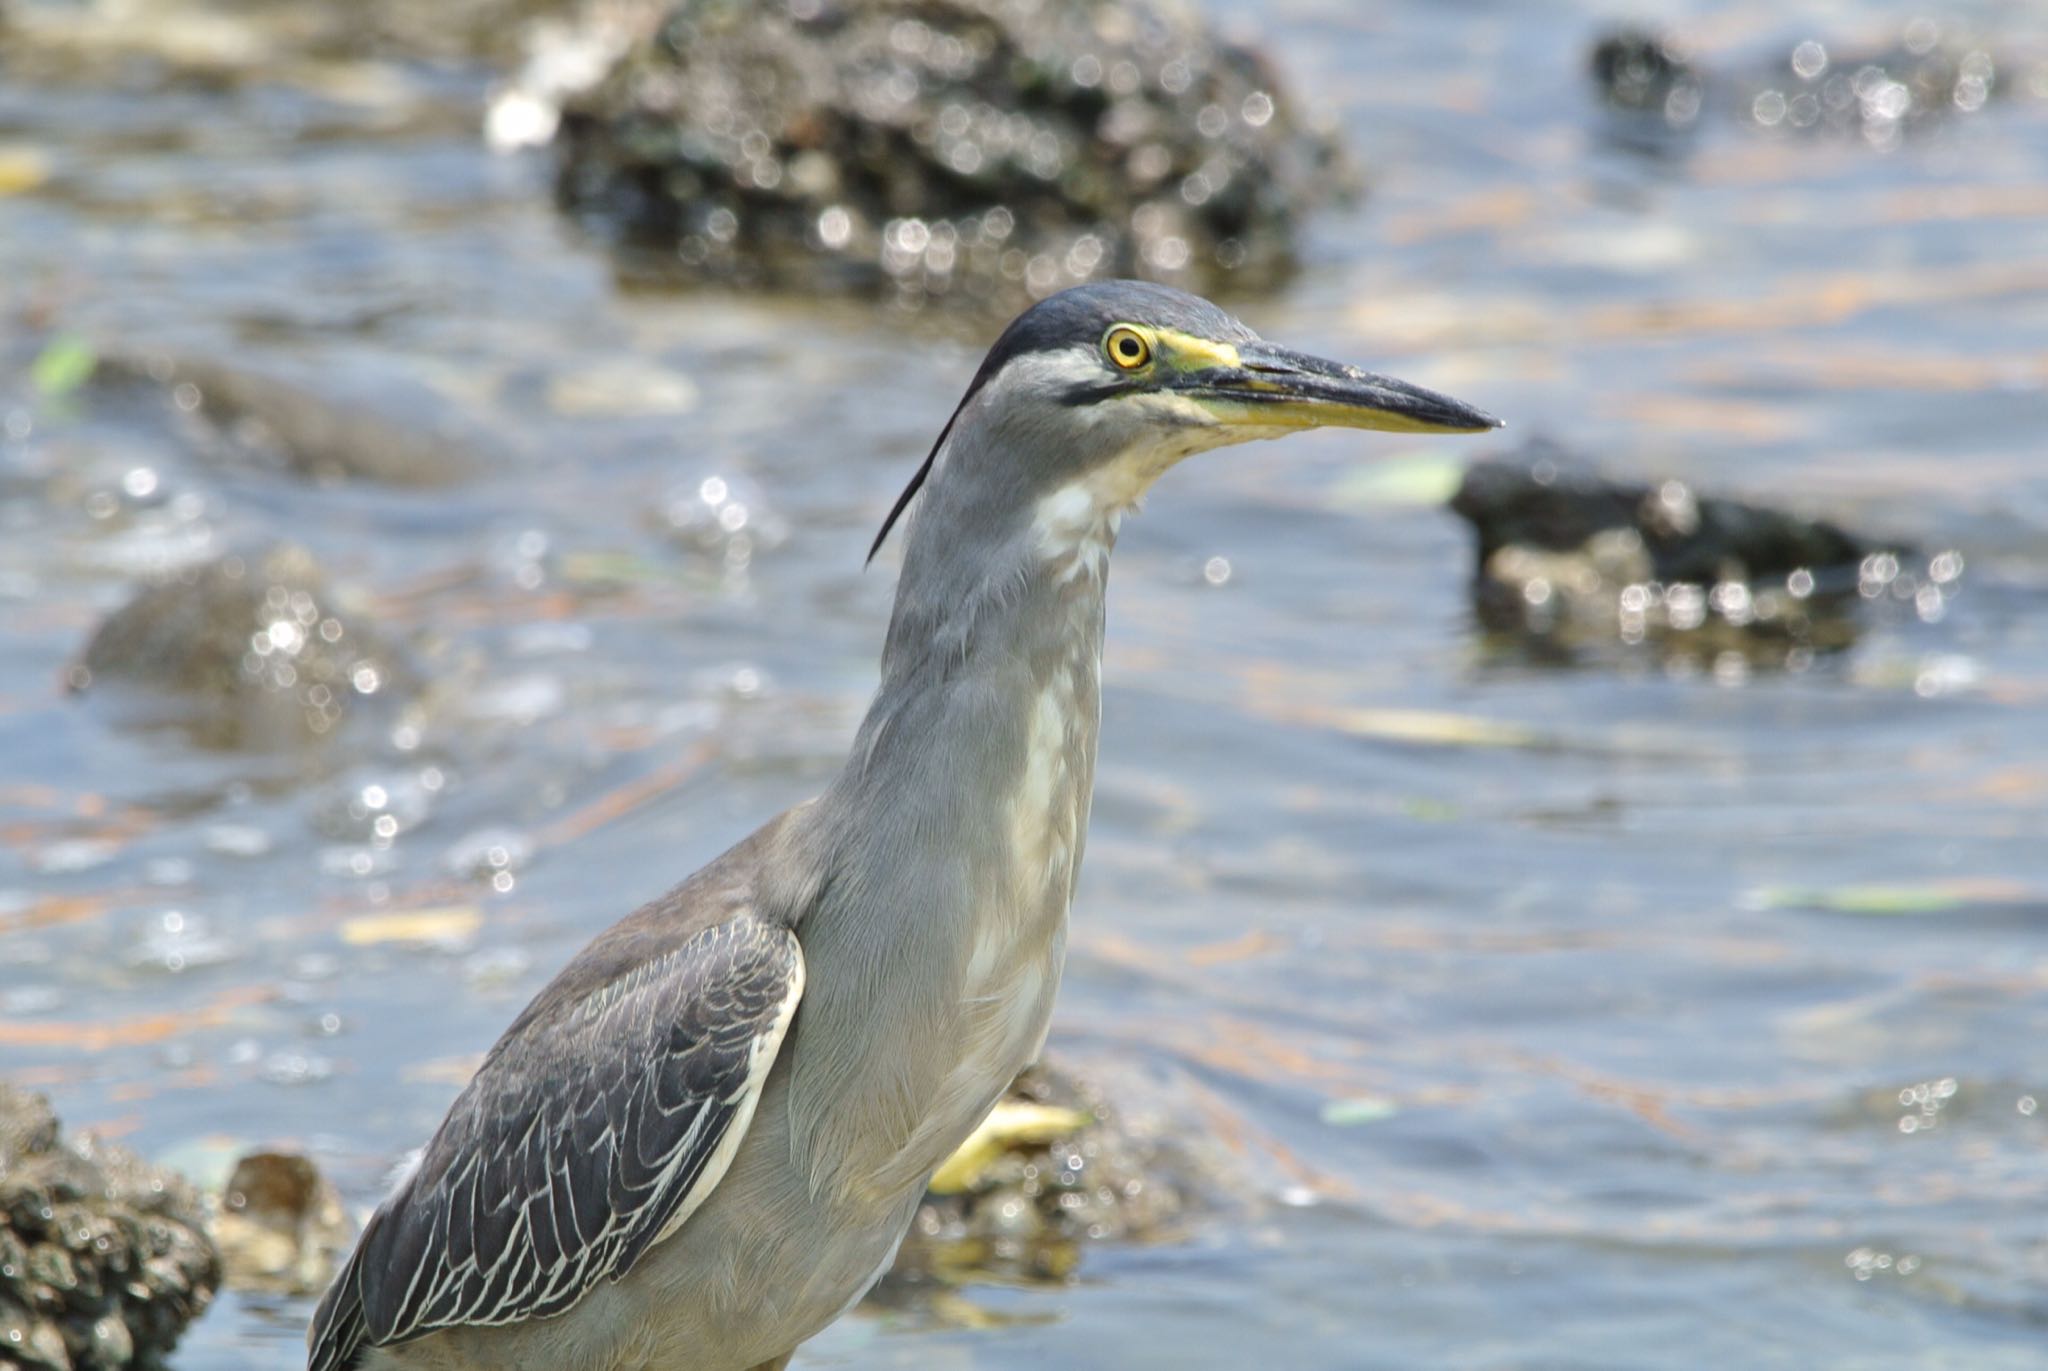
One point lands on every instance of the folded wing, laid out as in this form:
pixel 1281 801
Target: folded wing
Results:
pixel 602 1118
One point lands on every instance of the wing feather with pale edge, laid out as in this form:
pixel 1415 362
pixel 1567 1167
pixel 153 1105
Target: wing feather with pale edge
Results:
pixel 594 1127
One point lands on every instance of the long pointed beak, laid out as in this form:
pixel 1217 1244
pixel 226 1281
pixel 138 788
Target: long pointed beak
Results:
pixel 1276 387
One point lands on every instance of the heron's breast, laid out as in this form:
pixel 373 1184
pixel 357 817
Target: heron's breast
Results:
pixel 1017 938
pixel 1019 944
pixel 1046 810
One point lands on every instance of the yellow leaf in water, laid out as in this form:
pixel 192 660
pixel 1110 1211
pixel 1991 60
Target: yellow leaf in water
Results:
pixel 1011 1124
pixel 619 389
pixel 447 924
pixel 65 365
pixel 454 1070
pixel 1437 727
pixel 1415 480
pixel 22 170
pixel 1901 898
pixel 1359 1109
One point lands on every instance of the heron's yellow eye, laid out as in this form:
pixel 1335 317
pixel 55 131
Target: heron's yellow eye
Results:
pixel 1127 347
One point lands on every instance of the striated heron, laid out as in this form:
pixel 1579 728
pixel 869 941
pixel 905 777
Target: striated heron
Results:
pixel 703 1141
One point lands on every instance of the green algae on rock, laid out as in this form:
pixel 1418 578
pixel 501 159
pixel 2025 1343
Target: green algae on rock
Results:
pixel 981 149
pixel 103 1258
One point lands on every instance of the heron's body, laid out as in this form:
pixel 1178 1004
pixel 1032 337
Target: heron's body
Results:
pixel 704 1141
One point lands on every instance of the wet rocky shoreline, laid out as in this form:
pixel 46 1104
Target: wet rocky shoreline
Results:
pixel 104 1258
pixel 307 671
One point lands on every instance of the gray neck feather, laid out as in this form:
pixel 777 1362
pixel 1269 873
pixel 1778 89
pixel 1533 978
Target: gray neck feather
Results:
pixel 986 616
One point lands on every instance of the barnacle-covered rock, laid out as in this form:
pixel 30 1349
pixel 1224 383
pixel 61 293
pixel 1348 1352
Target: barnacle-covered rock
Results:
pixel 247 650
pixel 988 149
pixel 1053 1168
pixel 1567 559
pixel 103 1258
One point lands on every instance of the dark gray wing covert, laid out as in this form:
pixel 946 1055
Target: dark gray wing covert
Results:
pixel 592 1129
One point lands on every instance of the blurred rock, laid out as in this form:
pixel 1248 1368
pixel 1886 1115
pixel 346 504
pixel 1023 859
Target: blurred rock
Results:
pixel 1878 94
pixel 281 1225
pixel 1566 558
pixel 1052 1169
pixel 983 149
pixel 245 651
pixel 1646 73
pixel 251 419
pixel 103 1258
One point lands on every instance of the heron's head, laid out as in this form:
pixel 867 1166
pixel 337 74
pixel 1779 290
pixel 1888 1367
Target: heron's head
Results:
pixel 1096 391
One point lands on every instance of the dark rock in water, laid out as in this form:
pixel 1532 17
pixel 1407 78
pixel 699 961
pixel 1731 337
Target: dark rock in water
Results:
pixel 1684 537
pixel 247 651
pixel 985 149
pixel 1566 558
pixel 254 419
pixel 1646 73
pixel 1876 94
pixel 281 1225
pixel 1052 1169
pixel 103 1258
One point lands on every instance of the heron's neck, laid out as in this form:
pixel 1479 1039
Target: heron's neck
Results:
pixel 951 842
pixel 1034 591
pixel 981 738
pixel 999 627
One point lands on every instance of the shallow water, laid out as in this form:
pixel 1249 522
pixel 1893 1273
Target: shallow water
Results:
pixel 1612 1018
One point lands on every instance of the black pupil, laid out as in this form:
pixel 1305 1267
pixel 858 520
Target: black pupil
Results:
pixel 1128 348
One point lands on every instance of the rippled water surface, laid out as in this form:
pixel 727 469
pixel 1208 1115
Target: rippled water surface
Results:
pixel 1614 1017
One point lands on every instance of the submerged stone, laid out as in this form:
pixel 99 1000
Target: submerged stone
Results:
pixel 247 651
pixel 1646 73
pixel 281 1224
pixel 247 418
pixel 103 1258
pixel 986 149
pixel 1566 559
